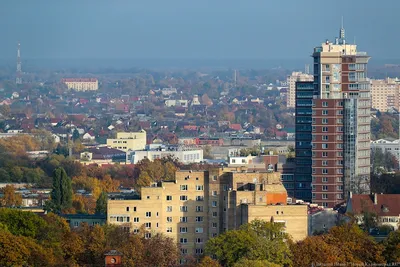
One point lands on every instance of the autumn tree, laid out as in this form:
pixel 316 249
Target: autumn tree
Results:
pixel 10 198
pixel 160 250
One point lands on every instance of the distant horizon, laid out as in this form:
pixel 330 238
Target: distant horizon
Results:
pixel 154 62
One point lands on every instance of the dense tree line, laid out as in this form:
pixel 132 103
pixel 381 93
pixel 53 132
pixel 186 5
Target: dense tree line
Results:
pixel 29 240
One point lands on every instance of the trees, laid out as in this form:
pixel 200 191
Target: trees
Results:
pixel 258 240
pixel 101 204
pixel 61 194
pixel 10 198
pixel 208 262
pixel 392 247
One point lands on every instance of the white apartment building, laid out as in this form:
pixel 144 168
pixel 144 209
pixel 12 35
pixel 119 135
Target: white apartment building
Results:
pixel 291 83
pixel 81 84
pixel 385 145
pixel 181 153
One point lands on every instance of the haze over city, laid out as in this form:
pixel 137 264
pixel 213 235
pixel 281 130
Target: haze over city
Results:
pixel 177 32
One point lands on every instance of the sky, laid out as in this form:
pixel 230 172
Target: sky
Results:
pixel 194 29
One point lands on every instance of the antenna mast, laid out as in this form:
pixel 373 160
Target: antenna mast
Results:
pixel 19 69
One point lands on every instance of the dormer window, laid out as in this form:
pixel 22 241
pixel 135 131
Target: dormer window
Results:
pixel 384 208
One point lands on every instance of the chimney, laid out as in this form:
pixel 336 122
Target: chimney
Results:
pixel 350 195
pixel 375 199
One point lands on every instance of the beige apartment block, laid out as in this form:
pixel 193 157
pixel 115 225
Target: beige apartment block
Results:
pixel 129 141
pixel 81 84
pixel 291 83
pixel 199 205
pixel 385 94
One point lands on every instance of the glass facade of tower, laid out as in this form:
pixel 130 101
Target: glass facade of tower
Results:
pixel 301 186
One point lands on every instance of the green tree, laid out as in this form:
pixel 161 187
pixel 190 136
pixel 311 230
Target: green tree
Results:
pixel 255 263
pixel 101 203
pixel 75 135
pixel 258 240
pixel 61 195
pixel 392 247
pixel 21 222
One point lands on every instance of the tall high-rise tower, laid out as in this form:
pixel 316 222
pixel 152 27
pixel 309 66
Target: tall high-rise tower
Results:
pixel 18 79
pixel 339 125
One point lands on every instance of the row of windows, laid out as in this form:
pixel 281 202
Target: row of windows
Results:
pixel 325 171
pixel 326 179
pixel 184 198
pixel 325 187
pixel 198 187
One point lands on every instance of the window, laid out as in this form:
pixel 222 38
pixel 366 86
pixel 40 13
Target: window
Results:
pixel 324 138
pixel 324 163
pixel 184 251
pixel 135 231
pixel 183 240
pixel 324 121
pixel 324 129
pixel 183 230
pixel 324 196
pixel 313 195
pixel 147 235
pixel 134 209
pixel 183 198
pixel 214 225
pixel 127 208
pixel 313 187
pixel 214 178
pixel 148 197
pixel 169 229
pixel 214 204
pixel 169 198
pixel 199 230
pixel 215 214
pixel 199 240
pixel 199 208
pixel 325 204
pixel 324 104
pixel 324 112
pixel 325 171
pixel 324 179
pixel 324 188
pixel 199 251
pixel 183 209
pixel 324 146
pixel 169 219
pixel 136 219
pixel 199 198
pixel 169 208
pixel 148 214
pixel 214 193
pixel 340 188
pixel 199 187
pixel 339 146
pixel 324 154
pixel 147 225
pixel 199 218
pixel 183 219
pixel 184 187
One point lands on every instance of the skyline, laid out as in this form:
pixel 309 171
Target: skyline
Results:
pixel 177 30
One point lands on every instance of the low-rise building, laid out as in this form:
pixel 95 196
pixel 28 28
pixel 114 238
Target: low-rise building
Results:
pixel 385 206
pixel 75 220
pixel 129 141
pixel 101 155
pixel 391 146
pixel 185 154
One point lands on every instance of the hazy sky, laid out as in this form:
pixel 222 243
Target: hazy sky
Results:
pixel 211 29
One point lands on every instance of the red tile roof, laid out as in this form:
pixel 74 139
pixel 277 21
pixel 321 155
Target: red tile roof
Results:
pixel 387 205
